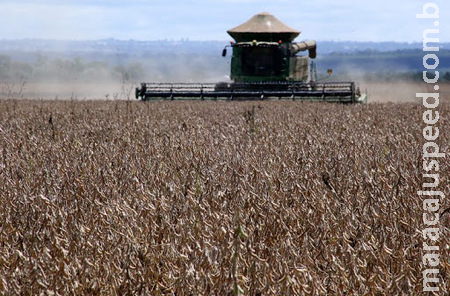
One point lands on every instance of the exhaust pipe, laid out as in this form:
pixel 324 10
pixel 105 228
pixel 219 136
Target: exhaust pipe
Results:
pixel 309 45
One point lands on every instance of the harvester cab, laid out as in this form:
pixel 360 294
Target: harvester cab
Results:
pixel 260 61
pixel 264 64
pixel 264 51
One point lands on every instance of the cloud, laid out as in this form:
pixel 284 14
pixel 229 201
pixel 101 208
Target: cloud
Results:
pixel 380 20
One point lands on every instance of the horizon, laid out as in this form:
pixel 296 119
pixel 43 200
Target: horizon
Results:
pixel 195 40
pixel 202 20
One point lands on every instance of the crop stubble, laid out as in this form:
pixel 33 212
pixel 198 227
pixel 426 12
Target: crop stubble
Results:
pixel 103 197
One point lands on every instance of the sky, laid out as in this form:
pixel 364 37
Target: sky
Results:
pixel 331 20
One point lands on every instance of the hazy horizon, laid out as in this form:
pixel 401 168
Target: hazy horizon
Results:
pixel 206 41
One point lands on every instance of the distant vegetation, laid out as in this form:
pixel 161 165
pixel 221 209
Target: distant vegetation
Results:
pixel 46 69
pixel 134 61
pixel 405 65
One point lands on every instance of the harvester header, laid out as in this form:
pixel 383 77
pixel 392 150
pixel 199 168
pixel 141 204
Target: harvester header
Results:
pixel 264 64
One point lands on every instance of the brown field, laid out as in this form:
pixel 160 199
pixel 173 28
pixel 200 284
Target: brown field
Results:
pixel 215 198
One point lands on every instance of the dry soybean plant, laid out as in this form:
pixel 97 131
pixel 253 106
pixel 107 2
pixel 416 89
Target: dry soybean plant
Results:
pixel 213 198
pixel 12 89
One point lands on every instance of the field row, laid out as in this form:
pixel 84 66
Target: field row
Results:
pixel 210 198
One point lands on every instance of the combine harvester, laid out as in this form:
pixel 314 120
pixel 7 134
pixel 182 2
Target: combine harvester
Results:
pixel 264 65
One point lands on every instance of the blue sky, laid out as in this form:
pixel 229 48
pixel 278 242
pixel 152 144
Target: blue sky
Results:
pixel 376 20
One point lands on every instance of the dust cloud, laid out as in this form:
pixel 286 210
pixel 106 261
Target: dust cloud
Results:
pixel 401 91
pixel 77 90
pixel 398 92
pixel 79 79
pixel 82 79
pixel 385 89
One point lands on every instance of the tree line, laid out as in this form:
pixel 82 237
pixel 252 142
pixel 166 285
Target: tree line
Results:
pixel 178 68
pixel 65 70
